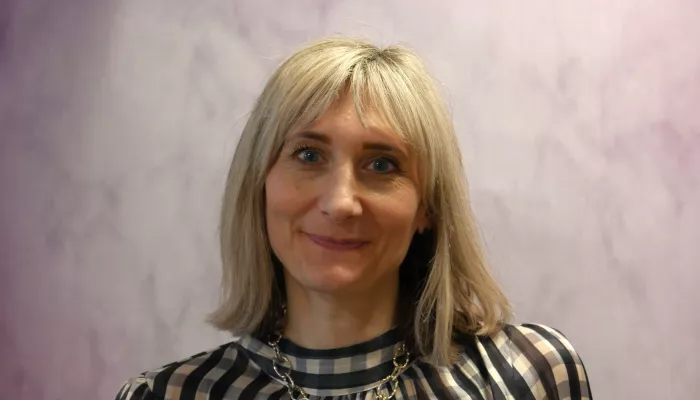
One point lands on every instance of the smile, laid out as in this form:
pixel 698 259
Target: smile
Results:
pixel 336 244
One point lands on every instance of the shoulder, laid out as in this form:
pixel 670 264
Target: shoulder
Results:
pixel 533 359
pixel 136 389
pixel 539 342
pixel 177 376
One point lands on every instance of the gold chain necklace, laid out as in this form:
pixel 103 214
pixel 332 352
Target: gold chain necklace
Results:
pixel 385 390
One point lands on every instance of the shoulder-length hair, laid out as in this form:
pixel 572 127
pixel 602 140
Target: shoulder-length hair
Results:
pixel 446 287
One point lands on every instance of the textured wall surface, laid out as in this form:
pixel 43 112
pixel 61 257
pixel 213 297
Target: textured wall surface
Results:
pixel 579 121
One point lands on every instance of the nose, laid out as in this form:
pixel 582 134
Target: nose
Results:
pixel 339 201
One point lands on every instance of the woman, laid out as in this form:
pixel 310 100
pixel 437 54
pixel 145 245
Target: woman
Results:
pixel 352 268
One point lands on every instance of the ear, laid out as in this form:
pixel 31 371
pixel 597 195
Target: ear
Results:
pixel 423 220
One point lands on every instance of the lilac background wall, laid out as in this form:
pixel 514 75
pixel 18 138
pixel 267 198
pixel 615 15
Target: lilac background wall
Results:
pixel 580 123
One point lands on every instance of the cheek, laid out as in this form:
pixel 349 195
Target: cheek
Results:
pixel 399 218
pixel 276 219
pixel 274 192
pixel 277 189
pixel 283 200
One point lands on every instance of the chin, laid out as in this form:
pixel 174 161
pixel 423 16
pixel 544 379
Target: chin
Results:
pixel 333 279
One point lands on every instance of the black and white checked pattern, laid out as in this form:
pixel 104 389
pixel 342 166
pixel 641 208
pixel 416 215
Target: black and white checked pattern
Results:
pixel 520 362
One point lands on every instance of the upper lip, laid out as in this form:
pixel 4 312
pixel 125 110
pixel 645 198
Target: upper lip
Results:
pixel 336 239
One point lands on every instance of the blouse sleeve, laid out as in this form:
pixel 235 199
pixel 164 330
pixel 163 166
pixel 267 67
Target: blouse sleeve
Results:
pixel 136 389
pixel 551 357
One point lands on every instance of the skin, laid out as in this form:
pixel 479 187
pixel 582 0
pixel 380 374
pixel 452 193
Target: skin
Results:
pixel 342 205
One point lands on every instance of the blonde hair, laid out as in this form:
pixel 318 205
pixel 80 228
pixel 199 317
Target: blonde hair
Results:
pixel 450 288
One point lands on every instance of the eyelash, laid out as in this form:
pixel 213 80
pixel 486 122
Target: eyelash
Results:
pixel 298 149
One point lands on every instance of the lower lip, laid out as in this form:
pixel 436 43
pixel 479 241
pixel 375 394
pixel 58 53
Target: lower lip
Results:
pixel 338 246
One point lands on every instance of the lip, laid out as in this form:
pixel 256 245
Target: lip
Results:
pixel 336 244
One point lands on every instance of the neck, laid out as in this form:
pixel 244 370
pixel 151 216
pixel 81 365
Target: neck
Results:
pixel 325 321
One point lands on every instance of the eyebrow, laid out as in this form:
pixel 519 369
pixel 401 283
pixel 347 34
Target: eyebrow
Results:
pixel 312 135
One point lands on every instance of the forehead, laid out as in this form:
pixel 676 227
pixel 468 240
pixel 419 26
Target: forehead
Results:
pixel 343 118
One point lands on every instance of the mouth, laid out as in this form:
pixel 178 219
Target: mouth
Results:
pixel 336 243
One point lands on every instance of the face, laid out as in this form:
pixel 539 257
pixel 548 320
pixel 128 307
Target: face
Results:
pixel 343 203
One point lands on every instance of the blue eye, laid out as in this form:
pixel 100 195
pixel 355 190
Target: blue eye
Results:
pixel 307 155
pixel 383 165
